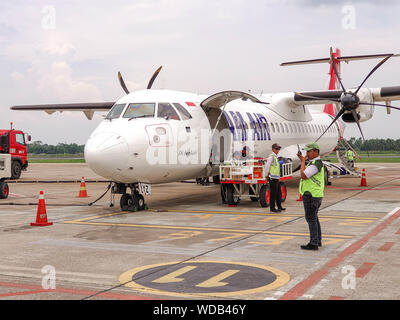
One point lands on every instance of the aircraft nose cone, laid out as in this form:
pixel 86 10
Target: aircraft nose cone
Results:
pixel 106 153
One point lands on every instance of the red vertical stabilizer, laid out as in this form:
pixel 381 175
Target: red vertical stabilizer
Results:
pixel 333 82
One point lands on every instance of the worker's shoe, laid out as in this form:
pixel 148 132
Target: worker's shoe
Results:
pixel 282 209
pixel 275 210
pixel 309 246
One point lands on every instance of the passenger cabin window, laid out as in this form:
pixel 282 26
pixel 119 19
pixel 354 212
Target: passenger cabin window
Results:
pixel 272 127
pixel 165 110
pixel 19 138
pixel 139 110
pixel 116 111
pixel 185 115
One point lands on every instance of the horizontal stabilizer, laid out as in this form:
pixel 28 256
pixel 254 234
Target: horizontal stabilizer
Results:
pixel 344 59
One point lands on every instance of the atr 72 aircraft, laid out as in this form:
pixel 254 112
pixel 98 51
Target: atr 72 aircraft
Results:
pixel 159 136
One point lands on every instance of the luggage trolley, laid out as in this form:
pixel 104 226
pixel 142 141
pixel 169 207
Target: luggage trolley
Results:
pixel 246 179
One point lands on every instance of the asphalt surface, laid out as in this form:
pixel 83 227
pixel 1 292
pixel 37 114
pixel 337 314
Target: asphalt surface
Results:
pixel 188 245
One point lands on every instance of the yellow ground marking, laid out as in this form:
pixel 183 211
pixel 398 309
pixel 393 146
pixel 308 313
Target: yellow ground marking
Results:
pixel 354 222
pixel 275 219
pixel 204 216
pixel 181 235
pixel 324 219
pixel 237 218
pixel 217 280
pixel 231 236
pixel 150 226
pixel 273 240
pixel 327 241
pixel 261 214
pixel 173 276
pixel 281 279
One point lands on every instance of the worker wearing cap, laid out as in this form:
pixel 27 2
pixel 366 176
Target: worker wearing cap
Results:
pixel 311 188
pixel 273 171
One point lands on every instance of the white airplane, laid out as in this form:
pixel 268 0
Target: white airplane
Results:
pixel 159 136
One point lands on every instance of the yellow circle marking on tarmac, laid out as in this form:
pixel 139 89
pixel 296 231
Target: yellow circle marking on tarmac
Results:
pixel 281 279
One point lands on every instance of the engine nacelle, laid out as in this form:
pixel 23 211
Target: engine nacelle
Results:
pixel 364 112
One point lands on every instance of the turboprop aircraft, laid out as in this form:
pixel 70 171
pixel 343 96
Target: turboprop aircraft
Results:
pixel 159 136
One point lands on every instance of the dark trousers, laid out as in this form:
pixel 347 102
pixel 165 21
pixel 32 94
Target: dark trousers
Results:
pixel 275 194
pixel 311 206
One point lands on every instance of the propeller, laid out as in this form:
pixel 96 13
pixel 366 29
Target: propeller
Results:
pixel 155 74
pixel 150 84
pixel 349 100
pixel 121 81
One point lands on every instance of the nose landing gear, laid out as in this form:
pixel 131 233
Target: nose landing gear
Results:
pixel 133 201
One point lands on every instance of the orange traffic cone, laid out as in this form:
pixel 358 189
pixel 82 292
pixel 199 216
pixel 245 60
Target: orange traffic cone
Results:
pixel 300 198
pixel 82 192
pixel 41 217
pixel 363 179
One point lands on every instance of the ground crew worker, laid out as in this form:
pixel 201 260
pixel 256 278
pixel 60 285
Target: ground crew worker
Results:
pixel 350 157
pixel 273 171
pixel 311 187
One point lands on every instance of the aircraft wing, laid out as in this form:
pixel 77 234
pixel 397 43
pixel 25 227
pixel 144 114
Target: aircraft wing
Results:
pixel 87 108
pixel 220 99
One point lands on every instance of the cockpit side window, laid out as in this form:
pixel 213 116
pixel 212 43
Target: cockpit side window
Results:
pixel 116 111
pixel 165 110
pixel 139 110
pixel 185 115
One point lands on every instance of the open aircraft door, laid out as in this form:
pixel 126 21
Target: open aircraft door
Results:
pixel 214 107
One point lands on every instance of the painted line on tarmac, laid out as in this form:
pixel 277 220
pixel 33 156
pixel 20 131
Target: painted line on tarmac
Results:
pixel 119 296
pixel 302 287
pixel 260 214
pixel 169 227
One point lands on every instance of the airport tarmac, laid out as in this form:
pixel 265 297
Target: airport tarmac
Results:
pixel 188 245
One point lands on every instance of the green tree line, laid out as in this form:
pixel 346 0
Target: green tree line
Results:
pixel 375 144
pixel 37 147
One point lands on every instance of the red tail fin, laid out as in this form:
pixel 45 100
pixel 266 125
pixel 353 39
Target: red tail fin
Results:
pixel 333 83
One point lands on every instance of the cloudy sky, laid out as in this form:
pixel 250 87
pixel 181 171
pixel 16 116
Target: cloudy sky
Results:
pixel 71 51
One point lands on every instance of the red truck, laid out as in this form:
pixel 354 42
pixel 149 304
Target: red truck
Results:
pixel 13 142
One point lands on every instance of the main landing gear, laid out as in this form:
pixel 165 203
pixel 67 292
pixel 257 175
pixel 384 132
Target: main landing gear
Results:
pixel 132 201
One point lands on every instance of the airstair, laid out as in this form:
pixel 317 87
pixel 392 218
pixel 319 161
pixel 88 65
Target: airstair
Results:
pixel 344 167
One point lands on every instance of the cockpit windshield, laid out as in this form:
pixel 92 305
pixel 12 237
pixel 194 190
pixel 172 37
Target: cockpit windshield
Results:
pixel 116 111
pixel 139 110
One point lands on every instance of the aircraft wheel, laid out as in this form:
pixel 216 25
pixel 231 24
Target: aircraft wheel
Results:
pixel 232 195
pixel 282 185
pixel 4 190
pixel 251 192
pixel 216 179
pixel 138 198
pixel 265 196
pixel 128 203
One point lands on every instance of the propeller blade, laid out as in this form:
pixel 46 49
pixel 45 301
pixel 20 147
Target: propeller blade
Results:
pixel 355 116
pixel 336 72
pixel 334 120
pixel 316 98
pixel 121 81
pixel 153 78
pixel 379 105
pixel 373 70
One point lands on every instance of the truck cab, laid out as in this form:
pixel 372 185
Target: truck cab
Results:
pixel 13 142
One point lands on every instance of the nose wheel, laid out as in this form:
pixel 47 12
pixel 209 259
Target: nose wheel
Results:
pixel 132 202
